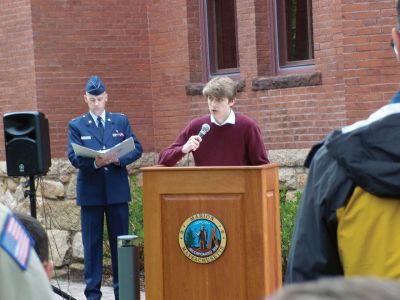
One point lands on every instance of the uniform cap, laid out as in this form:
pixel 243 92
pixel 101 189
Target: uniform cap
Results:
pixel 95 86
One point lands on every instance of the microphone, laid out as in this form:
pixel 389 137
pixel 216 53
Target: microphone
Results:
pixel 204 129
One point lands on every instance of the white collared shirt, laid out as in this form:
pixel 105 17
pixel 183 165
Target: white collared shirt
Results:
pixel 102 116
pixel 230 120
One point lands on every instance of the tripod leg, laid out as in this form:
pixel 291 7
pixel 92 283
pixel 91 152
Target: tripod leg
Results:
pixel 32 195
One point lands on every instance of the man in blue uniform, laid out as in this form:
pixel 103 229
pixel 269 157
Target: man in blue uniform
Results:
pixel 102 183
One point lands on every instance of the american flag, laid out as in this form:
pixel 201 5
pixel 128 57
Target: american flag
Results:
pixel 16 242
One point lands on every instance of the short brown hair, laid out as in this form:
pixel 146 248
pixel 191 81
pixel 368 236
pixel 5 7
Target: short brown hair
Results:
pixel 221 86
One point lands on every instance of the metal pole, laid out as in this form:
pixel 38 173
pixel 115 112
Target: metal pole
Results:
pixel 32 195
pixel 128 269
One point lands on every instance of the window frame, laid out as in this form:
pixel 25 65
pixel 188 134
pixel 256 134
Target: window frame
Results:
pixel 209 44
pixel 279 50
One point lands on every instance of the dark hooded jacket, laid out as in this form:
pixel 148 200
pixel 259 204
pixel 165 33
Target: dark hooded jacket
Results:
pixel 358 165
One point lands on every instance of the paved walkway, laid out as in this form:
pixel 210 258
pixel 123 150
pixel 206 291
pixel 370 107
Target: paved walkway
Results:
pixel 76 289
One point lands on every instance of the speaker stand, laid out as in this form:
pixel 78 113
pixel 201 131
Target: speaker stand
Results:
pixel 32 195
pixel 32 198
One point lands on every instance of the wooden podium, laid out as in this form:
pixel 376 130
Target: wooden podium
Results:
pixel 246 202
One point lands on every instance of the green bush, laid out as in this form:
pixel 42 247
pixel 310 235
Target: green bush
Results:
pixel 136 210
pixel 288 211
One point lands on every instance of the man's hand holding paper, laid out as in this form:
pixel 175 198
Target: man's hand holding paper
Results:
pixel 111 158
pixel 119 150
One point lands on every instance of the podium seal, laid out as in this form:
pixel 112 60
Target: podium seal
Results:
pixel 202 238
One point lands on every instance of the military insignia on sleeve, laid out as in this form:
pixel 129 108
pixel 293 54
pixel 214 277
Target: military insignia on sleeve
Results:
pixel 16 242
pixel 202 238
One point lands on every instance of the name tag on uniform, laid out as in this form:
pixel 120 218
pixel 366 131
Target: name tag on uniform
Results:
pixel 120 134
pixel 86 137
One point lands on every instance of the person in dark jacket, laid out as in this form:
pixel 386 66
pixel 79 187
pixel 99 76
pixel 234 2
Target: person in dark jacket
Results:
pixel 349 213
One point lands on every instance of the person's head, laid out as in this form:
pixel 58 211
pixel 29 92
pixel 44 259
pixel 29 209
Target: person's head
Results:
pixel 340 288
pixel 221 95
pixel 40 238
pixel 396 32
pixel 95 95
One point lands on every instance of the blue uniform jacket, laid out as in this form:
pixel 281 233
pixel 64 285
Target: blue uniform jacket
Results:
pixel 108 184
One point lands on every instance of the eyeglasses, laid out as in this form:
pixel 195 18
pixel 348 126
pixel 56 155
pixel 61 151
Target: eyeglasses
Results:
pixel 396 52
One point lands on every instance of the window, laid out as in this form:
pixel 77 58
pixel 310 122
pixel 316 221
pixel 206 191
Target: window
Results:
pixel 221 36
pixel 295 33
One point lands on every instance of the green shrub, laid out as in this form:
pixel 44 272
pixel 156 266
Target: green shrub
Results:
pixel 136 210
pixel 288 211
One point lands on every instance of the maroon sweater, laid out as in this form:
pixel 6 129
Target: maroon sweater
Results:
pixel 238 144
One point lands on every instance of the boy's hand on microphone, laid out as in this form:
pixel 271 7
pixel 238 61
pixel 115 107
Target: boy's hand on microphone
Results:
pixel 192 144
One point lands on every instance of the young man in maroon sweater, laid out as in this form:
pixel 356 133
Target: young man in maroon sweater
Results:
pixel 233 139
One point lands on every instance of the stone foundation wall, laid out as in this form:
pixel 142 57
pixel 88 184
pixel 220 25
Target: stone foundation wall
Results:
pixel 58 212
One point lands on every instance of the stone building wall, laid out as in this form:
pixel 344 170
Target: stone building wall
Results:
pixel 58 212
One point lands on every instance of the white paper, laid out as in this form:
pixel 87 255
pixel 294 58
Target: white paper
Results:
pixel 120 149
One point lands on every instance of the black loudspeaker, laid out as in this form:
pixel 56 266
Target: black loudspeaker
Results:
pixel 26 136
